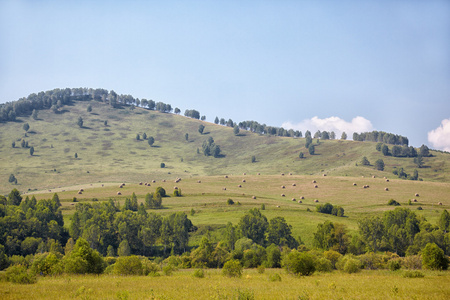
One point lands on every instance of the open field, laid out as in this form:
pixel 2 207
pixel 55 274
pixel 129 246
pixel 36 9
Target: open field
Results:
pixel 111 153
pixel 182 285
pixel 207 197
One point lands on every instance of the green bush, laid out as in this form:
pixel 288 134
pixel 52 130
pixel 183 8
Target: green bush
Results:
pixel 394 265
pixel 349 264
pixel 413 274
pixel 323 265
pixel 161 191
pixel 274 277
pixel 299 263
pixel 168 270
pixel 128 265
pixel 230 201
pixel 393 202
pixel 150 268
pixel 434 258
pixel 199 273
pixel 232 268
pixel 46 264
pixel 261 269
pixel 19 274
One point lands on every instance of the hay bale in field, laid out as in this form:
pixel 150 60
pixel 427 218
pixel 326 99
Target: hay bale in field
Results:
pixel 226 176
pixel 79 192
pixel 283 195
pixel 123 184
pixel 243 180
pixel 324 175
pixel 293 199
pixel 313 181
pixel 119 193
pixel 175 188
pixel 253 197
pixel 439 203
pixel 164 180
pixel 120 186
pixel 258 173
pixel 294 184
pixel 103 185
pixel 414 200
pixel 316 200
pixel 240 186
pixel 153 181
pixel 386 189
pixel 373 176
pixel 282 174
pixel 278 206
pixel 283 187
pixel 244 174
pixel 416 194
pixel 140 183
pixel 302 197
pixel 224 189
pixel 354 184
pixel 300 201
pixel 290 173
pixel 199 181
pixel 387 180
pixel 316 186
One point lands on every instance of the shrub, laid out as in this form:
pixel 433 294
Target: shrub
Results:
pixel 163 165
pixel 46 264
pixel 199 273
pixel 230 201
pixel 274 277
pixel 19 274
pixel 394 264
pixel 168 270
pixel 349 264
pixel 412 262
pixel 434 258
pixel 232 268
pixel 299 263
pixel 128 265
pixel 261 269
pixel 413 274
pixel 160 191
pixel 371 261
pixel 332 256
pixel 393 202
pixel 323 265
pixel 149 268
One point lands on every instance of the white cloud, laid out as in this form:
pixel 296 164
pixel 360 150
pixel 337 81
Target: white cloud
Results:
pixel 439 138
pixel 336 124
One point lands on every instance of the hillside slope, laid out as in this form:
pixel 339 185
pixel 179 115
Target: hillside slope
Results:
pixel 111 153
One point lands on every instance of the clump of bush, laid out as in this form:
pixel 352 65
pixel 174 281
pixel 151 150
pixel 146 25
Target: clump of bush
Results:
pixel 128 265
pixel 230 201
pixel 328 208
pixel 413 274
pixel 349 264
pixel 393 202
pixel 199 273
pixel 323 265
pixel 19 274
pixel 274 277
pixel 394 264
pixel 261 269
pixel 232 268
pixel 299 263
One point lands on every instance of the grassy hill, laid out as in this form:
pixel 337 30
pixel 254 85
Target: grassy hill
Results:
pixel 111 153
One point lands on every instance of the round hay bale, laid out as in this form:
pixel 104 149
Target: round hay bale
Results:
pixel 324 175
pixel 414 200
pixel 224 188
pixel 300 201
pixel 316 186
pixel 120 186
pixel 226 176
pixel 175 188
pixel 243 180
pixel 387 180
pixel 386 189
pixel 119 193
pixel 283 187
pixel 294 184
pixel 373 176
pixel 140 183
pixel 244 174
pixel 439 203
pixel 258 173
pixel 253 197
pixel 153 181
pixel 282 174
pixel 302 197
pixel 290 173
pixel 79 192
pixel 283 195
pixel 199 181
pixel 416 194
pixel 240 186
pixel 316 200
pixel 164 180
pixel 278 206
pixel 293 199
pixel 354 184
pixel 313 181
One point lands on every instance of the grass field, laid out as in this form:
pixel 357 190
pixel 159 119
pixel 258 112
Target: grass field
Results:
pixel 182 285
pixel 209 199
pixel 111 153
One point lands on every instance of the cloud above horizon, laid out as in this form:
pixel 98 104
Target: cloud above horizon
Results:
pixel 440 137
pixel 336 124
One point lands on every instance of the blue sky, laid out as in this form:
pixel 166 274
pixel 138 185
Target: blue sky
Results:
pixel 317 65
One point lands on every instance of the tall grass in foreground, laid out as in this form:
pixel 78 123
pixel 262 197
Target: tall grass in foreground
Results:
pixel 252 285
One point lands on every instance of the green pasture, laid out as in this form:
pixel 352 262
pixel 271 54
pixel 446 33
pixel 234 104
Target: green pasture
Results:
pixel 182 285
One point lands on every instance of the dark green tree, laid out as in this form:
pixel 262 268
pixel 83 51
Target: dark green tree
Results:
pixel 31 150
pixel 236 130
pixel 80 122
pixel 385 150
pixel 26 127
pixel 299 263
pixel 201 128
pixel 253 225
pixel 379 165
pixel 280 233
pixel 144 136
pixel 14 198
pixel 419 161
pixel 434 258
pixel 311 149
pixel 253 158
pixel 301 155
pixel 424 151
pixel 34 114
pixel 13 144
pixel 308 141
pixel 89 108
pixel 138 137
pixel 343 136
pixel 216 120
pixel 151 141
pixel 177 110
pixel 444 221
pixel 186 136
pixel 12 178
pixel 365 161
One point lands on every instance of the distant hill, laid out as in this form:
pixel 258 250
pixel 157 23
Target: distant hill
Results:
pixel 105 149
